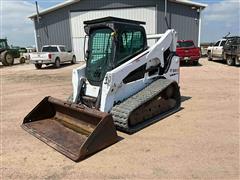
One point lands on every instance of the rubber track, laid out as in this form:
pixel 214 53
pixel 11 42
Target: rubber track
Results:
pixel 122 111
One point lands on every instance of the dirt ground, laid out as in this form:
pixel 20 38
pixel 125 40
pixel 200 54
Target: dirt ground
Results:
pixel 199 142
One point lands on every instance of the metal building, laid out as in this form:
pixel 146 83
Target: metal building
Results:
pixel 63 23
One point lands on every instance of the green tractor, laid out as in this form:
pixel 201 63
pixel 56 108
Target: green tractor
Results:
pixel 7 54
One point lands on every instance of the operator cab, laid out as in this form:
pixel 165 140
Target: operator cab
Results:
pixel 111 42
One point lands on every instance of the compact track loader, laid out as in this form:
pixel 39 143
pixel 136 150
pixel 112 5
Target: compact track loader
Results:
pixel 124 84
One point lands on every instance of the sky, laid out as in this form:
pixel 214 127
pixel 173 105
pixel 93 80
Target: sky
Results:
pixel 219 18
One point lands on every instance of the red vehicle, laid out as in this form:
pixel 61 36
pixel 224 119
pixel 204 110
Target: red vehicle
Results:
pixel 188 52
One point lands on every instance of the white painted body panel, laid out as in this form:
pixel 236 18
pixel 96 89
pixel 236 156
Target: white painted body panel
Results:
pixel 91 90
pixel 77 75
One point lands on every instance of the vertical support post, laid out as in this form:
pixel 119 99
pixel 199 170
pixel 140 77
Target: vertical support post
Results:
pixel 165 11
pixel 35 36
pixel 199 26
pixel 165 15
pixel 38 17
pixel 156 20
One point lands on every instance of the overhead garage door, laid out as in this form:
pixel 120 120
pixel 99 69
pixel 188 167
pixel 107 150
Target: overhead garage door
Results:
pixel 146 14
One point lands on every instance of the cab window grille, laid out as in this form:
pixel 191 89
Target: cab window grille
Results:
pixel 101 45
pixel 100 54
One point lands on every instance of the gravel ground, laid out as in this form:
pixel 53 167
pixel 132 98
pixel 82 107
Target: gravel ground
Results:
pixel 199 142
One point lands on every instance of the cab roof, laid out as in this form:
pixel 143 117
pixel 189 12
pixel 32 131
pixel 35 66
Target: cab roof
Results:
pixel 113 20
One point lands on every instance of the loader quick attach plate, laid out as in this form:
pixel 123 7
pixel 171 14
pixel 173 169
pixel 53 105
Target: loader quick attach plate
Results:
pixel 74 130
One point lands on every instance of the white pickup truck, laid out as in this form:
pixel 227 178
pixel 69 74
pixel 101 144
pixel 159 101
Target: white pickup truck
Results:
pixel 216 51
pixel 52 54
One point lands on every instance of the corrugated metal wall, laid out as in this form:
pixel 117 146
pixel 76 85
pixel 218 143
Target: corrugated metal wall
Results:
pixel 182 18
pixel 54 27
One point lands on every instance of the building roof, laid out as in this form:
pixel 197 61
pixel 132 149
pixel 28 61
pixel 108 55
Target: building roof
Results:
pixel 187 2
pixel 69 2
pixel 56 7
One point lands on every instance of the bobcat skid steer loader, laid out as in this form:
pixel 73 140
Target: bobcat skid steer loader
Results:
pixel 124 84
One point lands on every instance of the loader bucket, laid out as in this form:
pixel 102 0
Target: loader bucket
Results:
pixel 74 130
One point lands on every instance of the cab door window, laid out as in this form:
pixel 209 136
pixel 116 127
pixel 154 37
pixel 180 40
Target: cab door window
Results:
pixel 131 42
